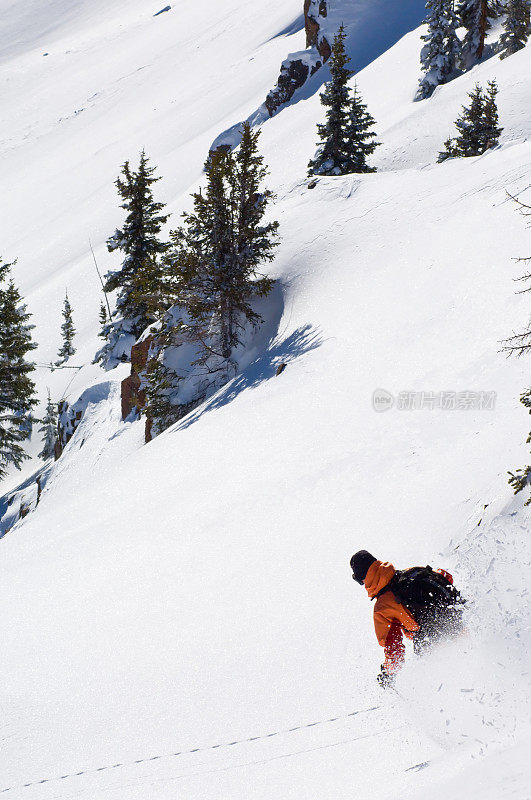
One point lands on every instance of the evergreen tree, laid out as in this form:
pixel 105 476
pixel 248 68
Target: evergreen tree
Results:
pixel 149 288
pixel 476 17
pixel 68 331
pixel 49 431
pixel 491 131
pixel 478 126
pixel 346 136
pixel 216 254
pixel 516 27
pixel 159 381
pixel 332 156
pixel 104 320
pixel 139 241
pixel 17 390
pixel 440 55
pixel 361 139
pixel 212 272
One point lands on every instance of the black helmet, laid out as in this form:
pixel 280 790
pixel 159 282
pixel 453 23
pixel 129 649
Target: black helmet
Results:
pixel 359 564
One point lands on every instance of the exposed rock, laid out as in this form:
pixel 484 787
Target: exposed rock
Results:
pixel 68 419
pixel 312 13
pixel 296 70
pixel 133 396
pixel 311 25
pixel 293 75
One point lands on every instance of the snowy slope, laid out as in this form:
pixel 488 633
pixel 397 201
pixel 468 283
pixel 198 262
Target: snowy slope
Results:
pixel 163 600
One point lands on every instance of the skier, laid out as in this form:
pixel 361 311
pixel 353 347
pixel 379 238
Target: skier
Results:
pixel 420 603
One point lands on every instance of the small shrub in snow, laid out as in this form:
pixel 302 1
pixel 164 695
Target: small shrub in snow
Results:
pixel 522 477
pixel 520 343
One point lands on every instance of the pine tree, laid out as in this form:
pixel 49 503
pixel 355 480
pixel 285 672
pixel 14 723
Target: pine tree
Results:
pixel 212 271
pixel 440 55
pixel 478 126
pixel 17 390
pixel 139 241
pixel 49 430
pixel 104 320
pixel 361 139
pixel 491 130
pixel 149 288
pixel 516 27
pixel 216 254
pixel 476 17
pixel 68 332
pixel 160 382
pixel 332 155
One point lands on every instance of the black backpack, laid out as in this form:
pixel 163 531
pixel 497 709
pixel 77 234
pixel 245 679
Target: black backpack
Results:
pixel 433 602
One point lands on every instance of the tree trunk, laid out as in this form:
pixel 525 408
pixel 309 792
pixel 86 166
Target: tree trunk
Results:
pixel 225 326
pixel 483 21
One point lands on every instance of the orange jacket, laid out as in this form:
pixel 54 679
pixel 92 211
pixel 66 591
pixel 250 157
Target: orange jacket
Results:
pixel 391 618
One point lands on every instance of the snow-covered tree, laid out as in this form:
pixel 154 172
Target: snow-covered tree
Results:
pixel 478 126
pixel 212 270
pixel 333 153
pixel 440 55
pixel 49 430
pixel 68 332
pixel 17 390
pixel 476 16
pixel 140 244
pixel 516 27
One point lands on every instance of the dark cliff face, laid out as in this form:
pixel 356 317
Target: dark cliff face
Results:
pixel 312 25
pixel 296 70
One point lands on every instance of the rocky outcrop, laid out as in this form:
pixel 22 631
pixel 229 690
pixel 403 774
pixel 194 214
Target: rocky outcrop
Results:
pixel 298 67
pixel 293 74
pixel 69 418
pixel 133 395
pixel 313 13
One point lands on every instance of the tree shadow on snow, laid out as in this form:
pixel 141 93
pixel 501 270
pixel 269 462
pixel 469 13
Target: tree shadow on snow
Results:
pixel 303 340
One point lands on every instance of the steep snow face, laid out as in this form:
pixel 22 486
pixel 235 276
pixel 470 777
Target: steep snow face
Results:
pixel 180 617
